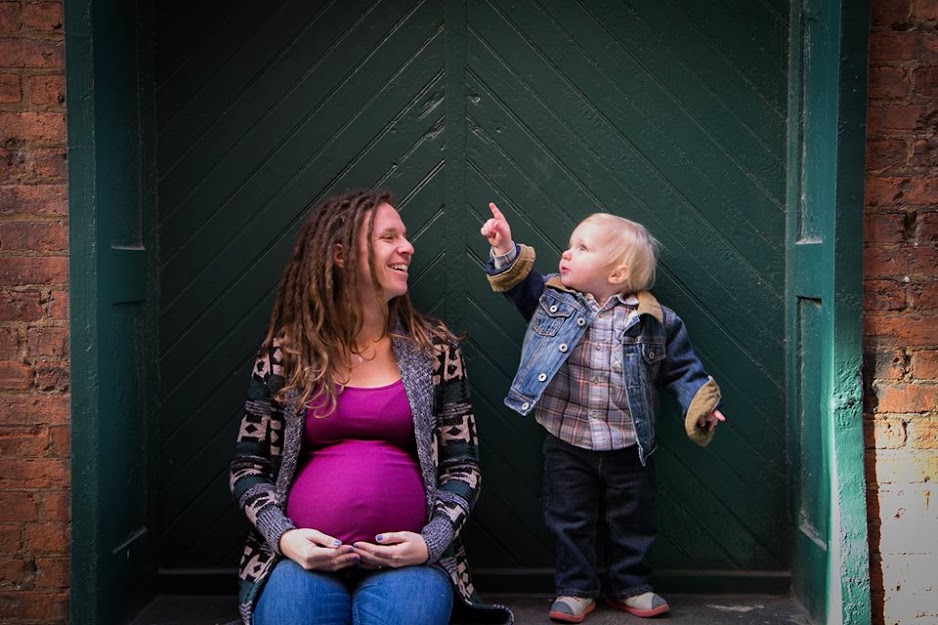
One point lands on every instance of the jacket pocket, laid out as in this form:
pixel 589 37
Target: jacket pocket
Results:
pixel 550 316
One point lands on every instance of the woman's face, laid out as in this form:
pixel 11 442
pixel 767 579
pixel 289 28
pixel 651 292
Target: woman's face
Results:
pixel 392 254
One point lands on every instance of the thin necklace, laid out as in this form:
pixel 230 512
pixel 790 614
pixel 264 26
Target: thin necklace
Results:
pixel 361 356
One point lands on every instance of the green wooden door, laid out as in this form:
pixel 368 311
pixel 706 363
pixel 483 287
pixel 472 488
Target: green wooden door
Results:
pixel 672 114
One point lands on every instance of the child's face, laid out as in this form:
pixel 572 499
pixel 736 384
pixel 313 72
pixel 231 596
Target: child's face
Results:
pixel 586 267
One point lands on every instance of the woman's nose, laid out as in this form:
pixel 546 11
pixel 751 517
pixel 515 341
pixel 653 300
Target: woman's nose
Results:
pixel 407 248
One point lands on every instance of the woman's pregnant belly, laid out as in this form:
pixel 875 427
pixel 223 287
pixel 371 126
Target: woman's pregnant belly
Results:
pixel 356 489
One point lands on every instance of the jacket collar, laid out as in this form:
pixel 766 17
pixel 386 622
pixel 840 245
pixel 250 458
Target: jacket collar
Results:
pixel 647 303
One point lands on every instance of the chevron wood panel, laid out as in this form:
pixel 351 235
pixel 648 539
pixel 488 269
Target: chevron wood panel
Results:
pixel 653 112
pixel 665 112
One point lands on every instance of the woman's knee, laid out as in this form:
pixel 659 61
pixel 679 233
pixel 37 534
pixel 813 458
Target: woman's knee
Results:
pixel 295 595
pixel 416 595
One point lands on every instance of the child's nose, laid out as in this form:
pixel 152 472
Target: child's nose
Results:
pixel 566 254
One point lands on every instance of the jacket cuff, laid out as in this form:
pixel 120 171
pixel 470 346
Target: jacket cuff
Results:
pixel 272 524
pixel 438 534
pixel 704 402
pixel 514 275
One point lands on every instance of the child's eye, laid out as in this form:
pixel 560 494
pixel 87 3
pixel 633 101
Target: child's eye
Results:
pixel 581 247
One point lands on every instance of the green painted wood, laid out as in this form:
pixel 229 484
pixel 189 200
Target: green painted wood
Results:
pixel 670 115
pixel 112 331
pixel 826 149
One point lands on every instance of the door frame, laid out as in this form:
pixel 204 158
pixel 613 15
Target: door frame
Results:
pixel 827 121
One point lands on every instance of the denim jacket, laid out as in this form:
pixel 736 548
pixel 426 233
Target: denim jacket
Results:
pixel 656 350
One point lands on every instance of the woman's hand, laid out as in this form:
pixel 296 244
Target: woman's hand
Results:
pixel 497 231
pixel 314 550
pixel 710 421
pixel 395 549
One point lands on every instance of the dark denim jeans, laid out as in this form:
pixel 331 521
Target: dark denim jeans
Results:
pixel 579 486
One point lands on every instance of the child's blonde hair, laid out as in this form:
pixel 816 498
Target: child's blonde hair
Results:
pixel 633 246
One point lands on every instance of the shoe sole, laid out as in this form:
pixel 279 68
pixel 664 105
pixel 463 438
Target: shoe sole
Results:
pixel 661 609
pixel 563 617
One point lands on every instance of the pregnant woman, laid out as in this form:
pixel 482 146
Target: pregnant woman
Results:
pixel 357 458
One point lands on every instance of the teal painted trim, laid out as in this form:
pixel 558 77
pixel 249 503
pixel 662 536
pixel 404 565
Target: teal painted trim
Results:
pixel 457 227
pixel 84 600
pixel 852 553
pixel 827 112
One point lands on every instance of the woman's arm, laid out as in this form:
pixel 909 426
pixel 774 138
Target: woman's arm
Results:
pixel 459 478
pixel 252 473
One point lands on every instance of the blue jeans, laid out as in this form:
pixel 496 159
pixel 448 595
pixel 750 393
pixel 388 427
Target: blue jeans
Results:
pixel 579 486
pixel 413 595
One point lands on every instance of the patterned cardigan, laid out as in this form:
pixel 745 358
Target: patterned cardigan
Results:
pixel 268 449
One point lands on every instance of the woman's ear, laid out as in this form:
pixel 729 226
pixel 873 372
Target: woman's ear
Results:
pixel 338 255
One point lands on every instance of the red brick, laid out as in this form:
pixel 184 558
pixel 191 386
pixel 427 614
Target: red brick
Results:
pixel 9 344
pixel 923 433
pixel 883 155
pixel 34 473
pixel 34 409
pixel 47 537
pixel 51 376
pixel 924 11
pixel 32 127
pixel 889 15
pixel 29 270
pixel 32 53
pixel 47 89
pixel 889 82
pixel 886 364
pixel 925 81
pixel 19 305
pixel 59 441
pixel 11 18
pixel 926 228
pixel 56 505
pixel 880 190
pixel 57 305
pixel 909 45
pixel 33 605
pixel 894 117
pixel 10 90
pixel 16 572
pixel 43 16
pixel 38 236
pixel 51 572
pixel 923 296
pixel 925 365
pixel 885 294
pixel 46 341
pixel 15 376
pixel 34 165
pixel 11 537
pixel 878 228
pixel 924 152
pixel 900 262
pixel 18 506
pixel 906 398
pixel 885 329
pixel 29 199
pixel 24 442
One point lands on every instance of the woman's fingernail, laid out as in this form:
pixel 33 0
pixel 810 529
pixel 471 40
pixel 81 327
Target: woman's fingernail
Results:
pixel 336 542
pixel 379 538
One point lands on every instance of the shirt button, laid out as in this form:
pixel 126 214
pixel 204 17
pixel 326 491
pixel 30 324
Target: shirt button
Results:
pixel 563 347
pixel 592 413
pixel 595 380
pixel 553 309
pixel 542 377
pixel 598 347
pixel 525 406
pixel 581 321
pixel 616 366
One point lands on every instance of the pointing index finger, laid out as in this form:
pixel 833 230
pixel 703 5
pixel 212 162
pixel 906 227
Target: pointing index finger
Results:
pixel 497 214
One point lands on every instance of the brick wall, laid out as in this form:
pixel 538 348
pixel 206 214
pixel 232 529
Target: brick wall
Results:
pixel 34 367
pixel 901 302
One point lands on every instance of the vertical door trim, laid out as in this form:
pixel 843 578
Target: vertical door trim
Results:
pixel 827 112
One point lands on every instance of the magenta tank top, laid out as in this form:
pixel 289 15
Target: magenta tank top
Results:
pixel 358 474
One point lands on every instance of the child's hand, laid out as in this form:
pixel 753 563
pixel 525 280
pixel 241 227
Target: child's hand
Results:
pixel 497 231
pixel 710 421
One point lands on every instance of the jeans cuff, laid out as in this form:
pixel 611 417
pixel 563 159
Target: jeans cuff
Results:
pixel 582 594
pixel 632 592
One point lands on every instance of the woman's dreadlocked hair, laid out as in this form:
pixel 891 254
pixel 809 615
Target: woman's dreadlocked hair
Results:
pixel 317 316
